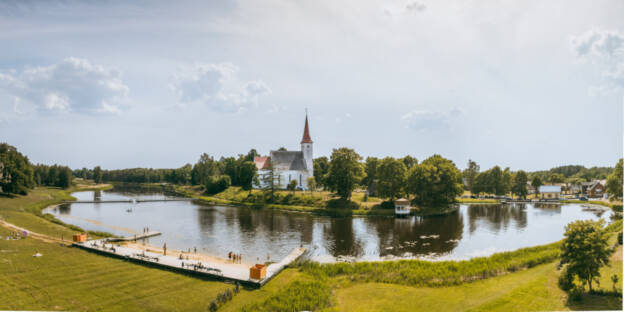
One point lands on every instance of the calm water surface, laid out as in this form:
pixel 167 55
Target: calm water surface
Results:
pixel 475 230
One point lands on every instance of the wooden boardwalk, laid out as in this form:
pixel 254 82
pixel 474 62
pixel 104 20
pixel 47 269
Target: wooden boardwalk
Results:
pixel 125 201
pixel 221 270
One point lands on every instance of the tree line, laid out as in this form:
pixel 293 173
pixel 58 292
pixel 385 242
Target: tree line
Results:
pixel 434 181
pixel 18 175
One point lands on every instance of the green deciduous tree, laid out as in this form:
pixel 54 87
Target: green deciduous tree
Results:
pixel 292 185
pixel 321 168
pixel 311 182
pixel 434 182
pixel 370 170
pixel 391 176
pixel 16 175
pixel 97 174
pixel 536 183
pixel 585 250
pixel 409 161
pixel 615 180
pixel 519 187
pixel 247 175
pixel 345 172
pixel 470 174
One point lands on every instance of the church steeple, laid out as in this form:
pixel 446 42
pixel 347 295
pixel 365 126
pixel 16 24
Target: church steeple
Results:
pixel 306 132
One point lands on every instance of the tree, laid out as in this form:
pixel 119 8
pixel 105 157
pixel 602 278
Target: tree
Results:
pixel 507 181
pixel 536 183
pixel 292 185
pixel 555 178
pixel 519 187
pixel 65 178
pixel 321 168
pixel 248 173
pixel 97 175
pixel 470 174
pixel 269 181
pixel 16 175
pixel 370 169
pixel 282 149
pixel 390 178
pixel 205 167
pixel 409 161
pixel 585 250
pixel 345 172
pixel 497 180
pixel 615 180
pixel 311 182
pixel 435 182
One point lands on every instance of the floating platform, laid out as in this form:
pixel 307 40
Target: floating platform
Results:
pixel 220 270
pixel 125 201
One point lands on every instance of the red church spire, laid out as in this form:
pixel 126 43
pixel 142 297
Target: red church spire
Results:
pixel 306 132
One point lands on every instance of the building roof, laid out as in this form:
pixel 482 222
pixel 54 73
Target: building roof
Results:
pixel 306 132
pixel 550 189
pixel 262 162
pixel 288 160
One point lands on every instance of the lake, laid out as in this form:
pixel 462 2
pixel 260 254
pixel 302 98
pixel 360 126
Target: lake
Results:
pixel 475 230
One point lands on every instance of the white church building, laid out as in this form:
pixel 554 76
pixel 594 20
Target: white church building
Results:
pixel 289 165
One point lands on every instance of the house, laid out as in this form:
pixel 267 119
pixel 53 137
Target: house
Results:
pixel 289 165
pixel 596 189
pixel 550 191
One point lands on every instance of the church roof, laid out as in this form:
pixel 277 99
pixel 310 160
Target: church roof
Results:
pixel 306 133
pixel 288 160
pixel 262 162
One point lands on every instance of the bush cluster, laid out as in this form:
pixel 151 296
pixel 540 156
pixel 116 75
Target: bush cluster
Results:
pixel 217 184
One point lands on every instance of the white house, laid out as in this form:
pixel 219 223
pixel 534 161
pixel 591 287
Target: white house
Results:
pixel 289 165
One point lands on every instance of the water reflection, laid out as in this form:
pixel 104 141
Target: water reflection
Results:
pixel 474 230
pixel 497 217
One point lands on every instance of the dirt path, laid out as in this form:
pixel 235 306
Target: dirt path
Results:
pixel 42 237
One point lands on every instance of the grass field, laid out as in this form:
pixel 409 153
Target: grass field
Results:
pixel 67 278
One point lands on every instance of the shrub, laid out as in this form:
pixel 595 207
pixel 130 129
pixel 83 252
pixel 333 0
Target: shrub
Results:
pixel 576 293
pixel 566 280
pixel 387 205
pixel 217 184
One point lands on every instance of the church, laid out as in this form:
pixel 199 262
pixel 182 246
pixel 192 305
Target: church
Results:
pixel 289 165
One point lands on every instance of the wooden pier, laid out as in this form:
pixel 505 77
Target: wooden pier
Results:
pixel 125 201
pixel 175 261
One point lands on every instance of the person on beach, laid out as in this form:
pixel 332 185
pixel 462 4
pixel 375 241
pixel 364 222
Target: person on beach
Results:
pixel 230 255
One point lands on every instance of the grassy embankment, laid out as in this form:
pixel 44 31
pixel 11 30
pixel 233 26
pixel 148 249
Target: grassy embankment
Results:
pixel 25 211
pixel 72 279
pixel 324 203
pixel 520 280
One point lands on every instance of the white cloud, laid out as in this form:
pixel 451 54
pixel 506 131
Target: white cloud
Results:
pixel 427 120
pixel 71 85
pixel 217 87
pixel 605 49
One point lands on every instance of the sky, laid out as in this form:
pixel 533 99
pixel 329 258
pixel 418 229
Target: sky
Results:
pixel 522 84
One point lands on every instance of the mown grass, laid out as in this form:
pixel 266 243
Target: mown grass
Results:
pixel 72 279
